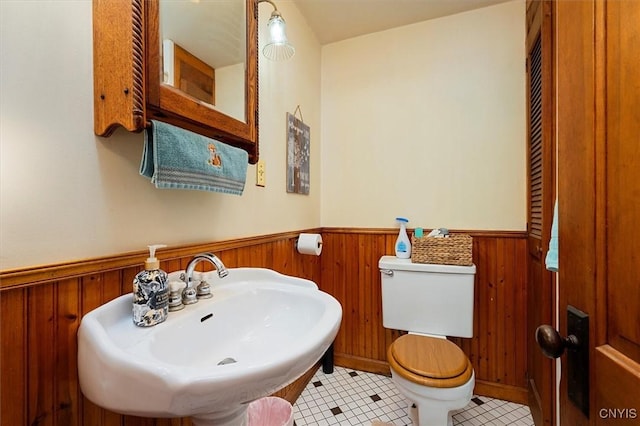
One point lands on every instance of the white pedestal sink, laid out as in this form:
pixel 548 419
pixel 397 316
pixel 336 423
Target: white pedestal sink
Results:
pixel 259 332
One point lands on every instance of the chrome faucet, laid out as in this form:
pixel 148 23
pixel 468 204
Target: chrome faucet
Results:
pixel 189 294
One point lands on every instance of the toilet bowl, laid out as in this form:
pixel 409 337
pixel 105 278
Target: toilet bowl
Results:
pixel 434 374
pixel 430 302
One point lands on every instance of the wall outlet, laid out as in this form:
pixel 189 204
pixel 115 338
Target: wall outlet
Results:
pixel 261 173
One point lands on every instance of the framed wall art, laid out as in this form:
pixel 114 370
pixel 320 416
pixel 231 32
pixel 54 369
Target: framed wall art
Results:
pixel 298 149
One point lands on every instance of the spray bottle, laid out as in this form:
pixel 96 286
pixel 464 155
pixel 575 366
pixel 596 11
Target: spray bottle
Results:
pixel 403 245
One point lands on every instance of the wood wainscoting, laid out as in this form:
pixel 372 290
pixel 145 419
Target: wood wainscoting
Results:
pixel 41 309
pixel 498 350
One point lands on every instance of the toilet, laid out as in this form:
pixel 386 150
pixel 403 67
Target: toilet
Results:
pixel 430 302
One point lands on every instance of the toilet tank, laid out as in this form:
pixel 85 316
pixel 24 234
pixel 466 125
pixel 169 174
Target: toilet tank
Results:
pixel 427 298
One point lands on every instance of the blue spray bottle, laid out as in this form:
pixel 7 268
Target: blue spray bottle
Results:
pixel 403 245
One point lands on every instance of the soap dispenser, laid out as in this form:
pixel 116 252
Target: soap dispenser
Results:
pixel 403 245
pixel 150 292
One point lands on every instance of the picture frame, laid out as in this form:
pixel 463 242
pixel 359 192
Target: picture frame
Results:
pixel 298 153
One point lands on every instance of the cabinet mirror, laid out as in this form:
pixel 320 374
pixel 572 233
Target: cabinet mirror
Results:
pixel 190 63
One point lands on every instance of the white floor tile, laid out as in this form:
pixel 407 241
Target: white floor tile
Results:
pixel 351 392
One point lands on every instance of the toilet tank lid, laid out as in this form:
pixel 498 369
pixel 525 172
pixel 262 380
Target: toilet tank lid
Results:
pixel 395 264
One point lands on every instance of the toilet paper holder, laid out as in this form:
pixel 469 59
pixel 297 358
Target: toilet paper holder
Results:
pixel 311 244
pixel 298 238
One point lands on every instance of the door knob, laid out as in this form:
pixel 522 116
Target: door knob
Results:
pixel 552 344
pixel 577 360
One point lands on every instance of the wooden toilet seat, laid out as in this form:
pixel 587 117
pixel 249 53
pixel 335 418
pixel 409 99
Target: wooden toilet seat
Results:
pixel 429 361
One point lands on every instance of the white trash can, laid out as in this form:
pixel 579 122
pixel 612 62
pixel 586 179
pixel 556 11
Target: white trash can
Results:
pixel 270 411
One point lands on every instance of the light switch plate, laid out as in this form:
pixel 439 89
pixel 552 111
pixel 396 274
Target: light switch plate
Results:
pixel 261 173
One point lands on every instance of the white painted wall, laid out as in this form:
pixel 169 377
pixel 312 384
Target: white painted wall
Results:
pixel 229 90
pixel 66 194
pixel 450 89
pixel 428 121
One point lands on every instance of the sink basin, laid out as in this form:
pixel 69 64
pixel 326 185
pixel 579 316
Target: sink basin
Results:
pixel 259 332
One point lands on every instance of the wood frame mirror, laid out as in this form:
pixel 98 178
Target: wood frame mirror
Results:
pixel 128 88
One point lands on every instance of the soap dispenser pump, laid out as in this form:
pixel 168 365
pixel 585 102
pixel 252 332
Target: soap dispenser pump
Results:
pixel 403 245
pixel 150 292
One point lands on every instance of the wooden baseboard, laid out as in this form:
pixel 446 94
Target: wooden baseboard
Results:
pixel 500 391
pixel 362 364
pixel 484 388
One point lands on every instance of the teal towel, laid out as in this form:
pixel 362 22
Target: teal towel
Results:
pixel 552 255
pixel 180 159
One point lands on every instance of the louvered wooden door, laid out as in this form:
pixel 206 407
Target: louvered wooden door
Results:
pixel 541 171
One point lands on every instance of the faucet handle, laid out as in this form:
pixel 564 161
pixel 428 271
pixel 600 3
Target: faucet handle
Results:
pixel 203 291
pixel 189 295
pixel 175 295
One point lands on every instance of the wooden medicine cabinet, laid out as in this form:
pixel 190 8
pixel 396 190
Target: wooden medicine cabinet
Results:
pixel 135 44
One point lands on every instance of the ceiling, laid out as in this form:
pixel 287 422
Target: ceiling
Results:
pixel 335 20
pixel 212 30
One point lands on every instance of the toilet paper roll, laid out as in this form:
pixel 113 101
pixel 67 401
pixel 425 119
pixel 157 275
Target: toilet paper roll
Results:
pixel 310 244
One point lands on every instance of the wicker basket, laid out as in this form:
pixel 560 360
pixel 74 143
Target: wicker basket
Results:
pixel 454 250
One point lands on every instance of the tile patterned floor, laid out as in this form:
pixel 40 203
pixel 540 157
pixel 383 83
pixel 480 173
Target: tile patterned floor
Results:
pixel 356 398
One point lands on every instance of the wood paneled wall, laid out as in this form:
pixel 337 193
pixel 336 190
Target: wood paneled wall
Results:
pixel 498 350
pixel 41 309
